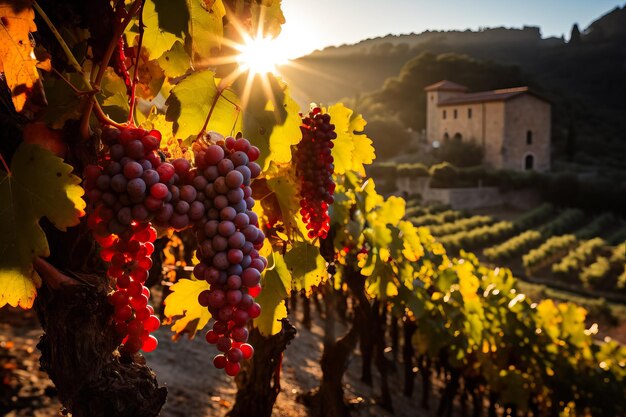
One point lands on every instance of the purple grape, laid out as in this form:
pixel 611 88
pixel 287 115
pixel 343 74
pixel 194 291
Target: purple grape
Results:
pixel 233 297
pixel 241 220
pixel 182 207
pixel 235 196
pixel 124 216
pixel 150 177
pixel 225 166
pixel 118 183
pixel 188 193
pixel 136 187
pixel 103 182
pixel 228 213
pixel 237 240
pixel 196 211
pixel 217 298
pixel 133 170
pixel 213 154
pixel 226 228
pixel 220 243
pixel 239 158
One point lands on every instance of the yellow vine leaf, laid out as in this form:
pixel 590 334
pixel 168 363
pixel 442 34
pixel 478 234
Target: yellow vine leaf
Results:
pixel 39 185
pixel 352 147
pixel 17 57
pixel 306 265
pixel 363 148
pixel 276 284
pixel 344 144
pixel 183 309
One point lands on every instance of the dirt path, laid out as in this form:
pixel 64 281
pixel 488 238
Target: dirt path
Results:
pixel 196 388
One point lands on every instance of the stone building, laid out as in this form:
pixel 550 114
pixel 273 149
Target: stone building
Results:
pixel 512 125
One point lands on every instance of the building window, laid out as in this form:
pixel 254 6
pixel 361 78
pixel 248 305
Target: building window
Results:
pixel 469 113
pixel 455 113
pixel 445 114
pixel 529 162
pixel 529 137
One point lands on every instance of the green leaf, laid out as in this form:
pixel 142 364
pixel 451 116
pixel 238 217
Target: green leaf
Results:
pixel 175 62
pixel 306 265
pixel 113 97
pixel 63 103
pixel 206 28
pixel 182 307
pixel 272 123
pixel 39 185
pixel 190 102
pixel 165 22
pixel 276 285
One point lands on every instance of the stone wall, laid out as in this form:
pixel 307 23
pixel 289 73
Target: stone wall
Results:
pixel 480 197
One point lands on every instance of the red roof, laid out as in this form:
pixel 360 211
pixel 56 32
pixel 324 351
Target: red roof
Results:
pixel 483 96
pixel 445 85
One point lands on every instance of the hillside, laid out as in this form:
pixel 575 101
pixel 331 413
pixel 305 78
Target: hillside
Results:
pixel 584 77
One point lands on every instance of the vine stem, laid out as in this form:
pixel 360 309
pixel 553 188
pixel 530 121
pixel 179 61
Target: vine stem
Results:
pixel 104 63
pixel 59 38
pixel 6 166
pixel 208 117
pixel 133 88
pixel 93 103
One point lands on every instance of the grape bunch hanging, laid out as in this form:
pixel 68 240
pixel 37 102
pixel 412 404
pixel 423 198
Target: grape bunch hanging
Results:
pixel 314 169
pixel 131 188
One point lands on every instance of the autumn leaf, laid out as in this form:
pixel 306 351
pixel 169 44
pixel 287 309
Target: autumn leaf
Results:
pixel 276 284
pixel 39 185
pixel 191 100
pixel 182 307
pixel 17 58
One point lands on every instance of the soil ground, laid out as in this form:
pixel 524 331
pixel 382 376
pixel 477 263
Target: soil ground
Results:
pixel 196 388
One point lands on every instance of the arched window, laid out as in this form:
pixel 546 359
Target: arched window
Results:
pixel 445 114
pixel 529 137
pixel 529 162
pixel 455 113
pixel 446 137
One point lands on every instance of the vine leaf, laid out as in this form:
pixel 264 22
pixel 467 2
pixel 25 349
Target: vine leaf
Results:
pixel 272 121
pixel 17 58
pixel 39 185
pixel 307 266
pixel 352 147
pixel 183 309
pixel 276 285
pixel 175 62
pixel 191 100
pixel 267 18
pixel 165 22
pixel 206 28
pixel 113 96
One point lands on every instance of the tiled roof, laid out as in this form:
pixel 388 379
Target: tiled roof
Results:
pixel 445 85
pixel 482 96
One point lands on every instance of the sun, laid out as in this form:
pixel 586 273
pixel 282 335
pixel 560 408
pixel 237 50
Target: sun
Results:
pixel 260 55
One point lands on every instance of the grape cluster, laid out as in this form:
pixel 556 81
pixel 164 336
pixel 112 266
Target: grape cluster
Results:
pixel 125 193
pixel 130 262
pixel 229 240
pixel 314 169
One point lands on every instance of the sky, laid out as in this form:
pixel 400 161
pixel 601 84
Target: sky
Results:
pixel 315 25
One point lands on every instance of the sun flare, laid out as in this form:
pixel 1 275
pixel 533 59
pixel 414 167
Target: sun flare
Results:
pixel 260 55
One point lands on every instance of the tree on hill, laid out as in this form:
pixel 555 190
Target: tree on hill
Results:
pixel 574 38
